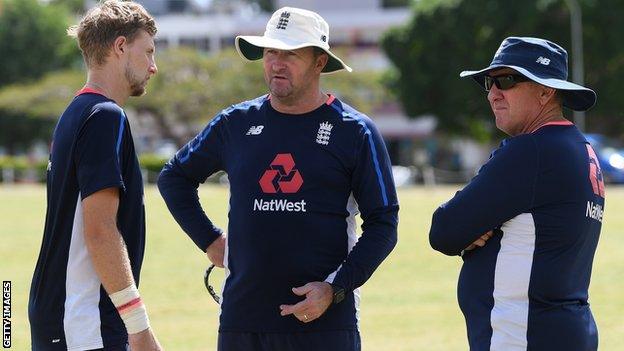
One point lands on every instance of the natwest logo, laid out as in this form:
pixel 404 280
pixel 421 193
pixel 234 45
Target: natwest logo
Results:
pixel 282 176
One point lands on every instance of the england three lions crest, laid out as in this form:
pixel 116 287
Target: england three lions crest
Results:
pixel 324 133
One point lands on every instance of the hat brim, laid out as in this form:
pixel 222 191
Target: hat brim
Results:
pixel 575 97
pixel 252 47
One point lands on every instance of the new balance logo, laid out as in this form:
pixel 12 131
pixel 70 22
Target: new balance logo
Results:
pixel 283 21
pixel 542 60
pixel 255 130
pixel 324 132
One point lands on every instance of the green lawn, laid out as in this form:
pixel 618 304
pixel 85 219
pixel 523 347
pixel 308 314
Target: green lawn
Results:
pixel 409 304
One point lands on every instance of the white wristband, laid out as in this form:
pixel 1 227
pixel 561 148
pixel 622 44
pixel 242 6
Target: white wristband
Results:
pixel 131 309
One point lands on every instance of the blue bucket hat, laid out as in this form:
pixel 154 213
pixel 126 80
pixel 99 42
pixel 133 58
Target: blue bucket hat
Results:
pixel 541 61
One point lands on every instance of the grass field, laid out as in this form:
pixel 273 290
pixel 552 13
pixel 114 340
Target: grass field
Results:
pixel 409 304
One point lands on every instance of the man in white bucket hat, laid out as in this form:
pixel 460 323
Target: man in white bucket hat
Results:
pixel 527 225
pixel 300 163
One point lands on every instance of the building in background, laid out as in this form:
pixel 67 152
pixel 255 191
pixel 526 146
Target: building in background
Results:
pixel 356 26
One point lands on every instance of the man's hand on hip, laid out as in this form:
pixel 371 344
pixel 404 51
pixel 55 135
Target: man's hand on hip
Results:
pixel 216 251
pixel 480 242
pixel 144 341
pixel 319 296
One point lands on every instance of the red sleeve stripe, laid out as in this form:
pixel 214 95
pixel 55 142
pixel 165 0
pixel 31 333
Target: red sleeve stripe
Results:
pixel 330 99
pixel 129 306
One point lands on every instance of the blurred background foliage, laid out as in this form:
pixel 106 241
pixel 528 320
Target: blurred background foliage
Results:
pixel 41 68
pixel 445 37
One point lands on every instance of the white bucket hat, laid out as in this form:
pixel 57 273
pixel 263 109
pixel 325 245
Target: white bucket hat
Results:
pixel 291 28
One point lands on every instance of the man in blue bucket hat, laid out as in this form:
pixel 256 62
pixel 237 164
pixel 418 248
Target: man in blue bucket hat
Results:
pixel 527 225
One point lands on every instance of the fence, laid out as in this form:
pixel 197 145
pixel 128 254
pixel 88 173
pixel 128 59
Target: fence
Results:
pixel 22 170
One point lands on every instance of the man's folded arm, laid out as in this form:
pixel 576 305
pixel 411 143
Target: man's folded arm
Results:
pixel 503 189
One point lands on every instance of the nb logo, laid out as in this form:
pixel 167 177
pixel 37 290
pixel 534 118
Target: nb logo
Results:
pixel 324 132
pixel 283 21
pixel 542 60
pixel 255 130
pixel 281 177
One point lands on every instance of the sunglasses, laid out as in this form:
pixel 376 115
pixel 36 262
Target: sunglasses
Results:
pixel 209 287
pixel 503 82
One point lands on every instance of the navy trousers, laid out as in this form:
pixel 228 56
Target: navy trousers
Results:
pixel 342 340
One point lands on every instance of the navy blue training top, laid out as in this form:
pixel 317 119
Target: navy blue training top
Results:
pixel 294 184
pixel 526 289
pixel 92 149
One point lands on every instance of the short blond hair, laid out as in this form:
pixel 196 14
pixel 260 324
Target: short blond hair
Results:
pixel 99 28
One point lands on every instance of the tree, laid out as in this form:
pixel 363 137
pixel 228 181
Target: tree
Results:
pixel 445 37
pixel 192 87
pixel 74 6
pixel 396 3
pixel 189 89
pixel 29 111
pixel 33 40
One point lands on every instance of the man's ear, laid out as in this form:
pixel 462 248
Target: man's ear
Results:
pixel 120 45
pixel 546 94
pixel 321 61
